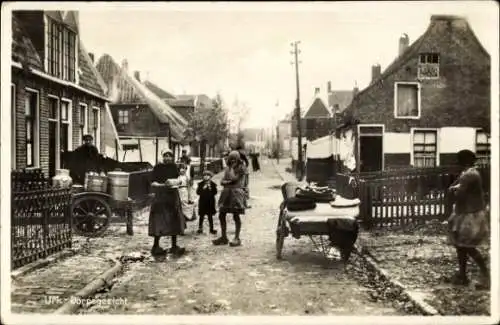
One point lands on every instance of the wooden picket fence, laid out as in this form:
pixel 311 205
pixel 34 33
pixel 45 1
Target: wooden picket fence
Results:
pixel 404 197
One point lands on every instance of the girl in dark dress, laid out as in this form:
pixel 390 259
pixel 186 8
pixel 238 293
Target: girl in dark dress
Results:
pixel 232 199
pixel 207 190
pixel 166 217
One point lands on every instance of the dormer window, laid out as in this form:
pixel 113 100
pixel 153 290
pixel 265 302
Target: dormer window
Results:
pixel 428 66
pixel 60 50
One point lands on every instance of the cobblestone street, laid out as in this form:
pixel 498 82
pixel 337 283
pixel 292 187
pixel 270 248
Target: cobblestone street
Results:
pixel 209 279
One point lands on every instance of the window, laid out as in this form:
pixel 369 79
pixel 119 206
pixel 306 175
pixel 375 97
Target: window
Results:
pixel 483 150
pixel 407 100
pixel 428 66
pixel 31 116
pixel 95 126
pixel 53 133
pixel 122 117
pixel 83 122
pixel 13 126
pixel 64 133
pixel 61 51
pixel 425 148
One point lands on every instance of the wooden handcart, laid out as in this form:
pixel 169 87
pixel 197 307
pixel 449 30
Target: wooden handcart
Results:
pixel 93 210
pixel 326 226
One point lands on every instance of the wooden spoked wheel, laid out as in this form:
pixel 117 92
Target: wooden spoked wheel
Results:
pixel 91 215
pixel 281 233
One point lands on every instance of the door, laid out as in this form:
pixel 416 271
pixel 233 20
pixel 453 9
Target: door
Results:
pixel 370 153
pixel 52 148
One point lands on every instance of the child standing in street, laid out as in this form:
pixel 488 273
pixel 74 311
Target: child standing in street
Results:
pixel 187 207
pixel 207 190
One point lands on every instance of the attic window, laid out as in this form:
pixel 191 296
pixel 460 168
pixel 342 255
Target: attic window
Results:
pixel 428 66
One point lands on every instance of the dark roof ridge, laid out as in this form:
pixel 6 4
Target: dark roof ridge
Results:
pixel 447 17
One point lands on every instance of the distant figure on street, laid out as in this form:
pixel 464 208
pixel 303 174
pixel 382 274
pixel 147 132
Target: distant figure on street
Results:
pixel 85 158
pixel 166 217
pixel 468 223
pixel 254 158
pixel 184 159
pixel 207 190
pixel 232 198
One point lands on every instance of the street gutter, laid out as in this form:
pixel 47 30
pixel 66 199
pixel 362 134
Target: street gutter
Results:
pixel 74 303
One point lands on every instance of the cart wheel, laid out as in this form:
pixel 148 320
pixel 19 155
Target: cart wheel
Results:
pixel 281 233
pixel 91 215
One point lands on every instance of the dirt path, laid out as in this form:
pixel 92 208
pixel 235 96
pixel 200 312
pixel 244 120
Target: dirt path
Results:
pixel 238 281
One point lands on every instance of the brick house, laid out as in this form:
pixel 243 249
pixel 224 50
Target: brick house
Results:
pixel 57 95
pixel 431 102
pixel 186 106
pixel 146 124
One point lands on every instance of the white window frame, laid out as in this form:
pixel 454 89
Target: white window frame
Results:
pixel 128 116
pixel 36 131
pixel 70 121
pixel 437 65
pixel 13 111
pixel 359 127
pixel 85 119
pixel 46 21
pixel 419 103
pixel 58 130
pixel 476 143
pixel 412 154
pixel 97 139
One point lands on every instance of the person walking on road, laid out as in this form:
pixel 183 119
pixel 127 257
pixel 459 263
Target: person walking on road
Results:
pixel 166 217
pixel 468 223
pixel 207 190
pixel 232 199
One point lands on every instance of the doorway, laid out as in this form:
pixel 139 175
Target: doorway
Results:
pixel 52 147
pixel 371 151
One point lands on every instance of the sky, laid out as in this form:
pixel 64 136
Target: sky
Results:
pixel 243 50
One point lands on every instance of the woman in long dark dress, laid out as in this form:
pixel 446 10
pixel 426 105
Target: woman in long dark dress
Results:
pixel 232 198
pixel 166 217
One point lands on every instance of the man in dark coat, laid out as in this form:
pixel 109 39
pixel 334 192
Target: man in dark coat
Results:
pixel 85 158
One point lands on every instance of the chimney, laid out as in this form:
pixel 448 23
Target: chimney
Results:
pixel 329 87
pixel 91 55
pixel 355 91
pixel 125 65
pixel 137 76
pixel 316 91
pixel 404 43
pixel 376 72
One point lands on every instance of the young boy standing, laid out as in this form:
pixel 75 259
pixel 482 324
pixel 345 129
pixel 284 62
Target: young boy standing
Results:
pixel 207 190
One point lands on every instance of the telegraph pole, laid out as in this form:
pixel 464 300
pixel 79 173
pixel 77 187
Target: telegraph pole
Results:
pixel 295 53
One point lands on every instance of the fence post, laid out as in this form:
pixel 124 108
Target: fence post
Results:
pixel 366 204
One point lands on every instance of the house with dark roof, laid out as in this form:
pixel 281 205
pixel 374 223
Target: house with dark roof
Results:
pixel 186 106
pixel 146 124
pixel 57 95
pixel 431 102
